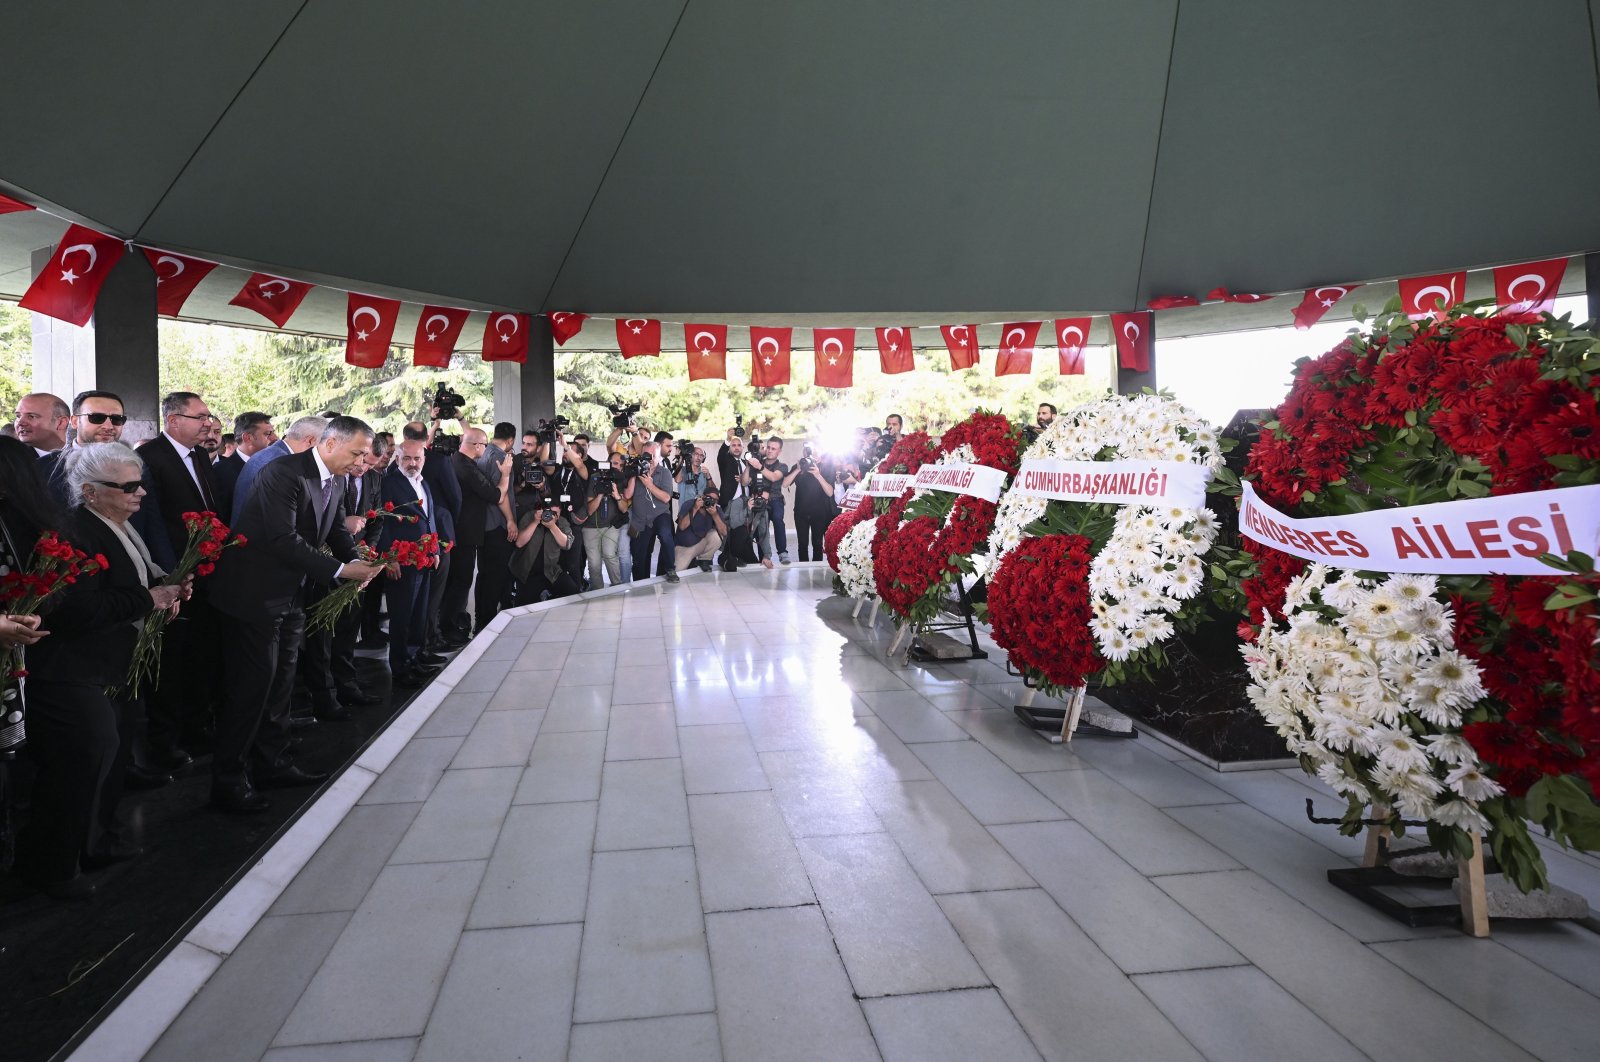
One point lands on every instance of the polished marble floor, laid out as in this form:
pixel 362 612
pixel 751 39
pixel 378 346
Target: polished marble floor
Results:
pixel 711 820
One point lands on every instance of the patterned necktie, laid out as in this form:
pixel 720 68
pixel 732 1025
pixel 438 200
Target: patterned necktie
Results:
pixel 202 465
pixel 327 494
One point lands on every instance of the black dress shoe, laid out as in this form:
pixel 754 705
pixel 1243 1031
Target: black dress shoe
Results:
pixel 333 713
pixel 77 887
pixel 118 853
pixel 239 800
pixel 170 757
pixel 429 659
pixel 354 696
pixel 136 777
pixel 409 680
pixel 290 777
pixel 426 670
pixel 301 722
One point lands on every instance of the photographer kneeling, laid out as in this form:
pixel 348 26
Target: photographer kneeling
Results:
pixel 543 534
pixel 701 531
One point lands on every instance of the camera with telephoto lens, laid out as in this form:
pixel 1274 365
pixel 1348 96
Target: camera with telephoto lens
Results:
pixel 532 477
pixel 601 480
pixel 760 493
pixel 548 513
pixel 634 467
pixel 549 431
pixel 709 498
pixel 622 414
pixel 447 404
pixel 738 426
pixel 807 462
pixel 684 456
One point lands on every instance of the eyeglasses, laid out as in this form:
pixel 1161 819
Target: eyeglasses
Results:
pixel 130 487
pixel 119 419
pixel 191 416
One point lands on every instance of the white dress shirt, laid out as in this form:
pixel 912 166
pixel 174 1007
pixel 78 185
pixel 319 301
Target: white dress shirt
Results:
pixel 188 465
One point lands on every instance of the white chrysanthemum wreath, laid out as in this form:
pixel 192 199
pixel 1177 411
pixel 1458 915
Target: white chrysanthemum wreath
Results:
pixel 855 561
pixel 1151 562
pixel 1364 683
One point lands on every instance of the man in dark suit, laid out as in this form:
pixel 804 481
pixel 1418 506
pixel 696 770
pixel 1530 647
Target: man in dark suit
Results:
pixel 479 495
pixel 97 417
pixel 440 474
pixel 362 493
pixel 177 480
pixel 295 508
pixel 301 436
pixel 407 589
pixel 252 433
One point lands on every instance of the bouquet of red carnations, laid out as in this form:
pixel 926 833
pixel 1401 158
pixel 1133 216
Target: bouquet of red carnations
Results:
pixel 421 553
pixel 208 537
pixel 55 563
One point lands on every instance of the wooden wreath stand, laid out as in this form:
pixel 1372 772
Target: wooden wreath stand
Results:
pixel 1367 881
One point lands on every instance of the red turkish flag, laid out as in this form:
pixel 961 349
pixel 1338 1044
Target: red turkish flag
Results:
pixel 894 350
pixel 639 337
pixel 1235 296
pixel 1017 340
pixel 177 276
pixel 962 342
pixel 1319 301
pixel 11 206
pixel 272 297
pixel 769 356
pixel 438 329
pixel 1172 302
pixel 505 337
pixel 369 326
pixel 70 282
pixel 565 325
pixel 1072 334
pixel 1133 339
pixel 836 356
pixel 707 347
pixel 1431 296
pixel 1530 287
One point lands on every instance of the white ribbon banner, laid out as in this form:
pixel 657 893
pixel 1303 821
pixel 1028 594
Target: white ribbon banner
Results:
pixel 979 481
pixel 1115 482
pixel 887 484
pixel 1470 536
pixel 852 498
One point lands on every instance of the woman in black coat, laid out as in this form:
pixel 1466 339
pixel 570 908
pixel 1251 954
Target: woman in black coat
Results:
pixel 73 725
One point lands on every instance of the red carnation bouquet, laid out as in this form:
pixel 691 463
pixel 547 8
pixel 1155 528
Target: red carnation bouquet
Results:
pixel 908 454
pixel 927 540
pixel 1039 609
pixel 1472 405
pixel 208 537
pixel 55 564
pixel 404 553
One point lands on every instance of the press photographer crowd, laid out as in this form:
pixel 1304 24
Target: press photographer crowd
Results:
pixel 205 592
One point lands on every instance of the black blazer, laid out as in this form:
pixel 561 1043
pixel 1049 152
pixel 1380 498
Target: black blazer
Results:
pixel 91 622
pixel 371 498
pixel 284 524
pixel 479 494
pixel 439 473
pixel 170 492
pixel 224 474
pixel 397 489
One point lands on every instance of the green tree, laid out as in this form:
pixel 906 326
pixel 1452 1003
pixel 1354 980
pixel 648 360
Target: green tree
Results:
pixel 16 356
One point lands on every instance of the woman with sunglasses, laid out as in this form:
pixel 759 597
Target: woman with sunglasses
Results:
pixel 79 737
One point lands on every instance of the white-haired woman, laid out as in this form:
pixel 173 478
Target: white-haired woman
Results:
pixel 75 731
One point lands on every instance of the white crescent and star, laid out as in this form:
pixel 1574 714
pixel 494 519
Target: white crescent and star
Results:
pixel 162 278
pixel 636 325
pixel 836 345
pixel 1446 297
pixel 705 352
pixel 1069 330
pixel 1134 336
pixel 264 288
pixel 505 337
pixel 66 272
pixel 761 346
pixel 1538 294
pixel 961 329
pixel 1015 332
pixel 444 322
pixel 355 321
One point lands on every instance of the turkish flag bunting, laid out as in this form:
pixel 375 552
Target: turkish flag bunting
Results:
pixel 1319 301
pixel 1133 340
pixel 505 337
pixel 1530 287
pixel 639 337
pixel 1172 302
pixel 707 346
pixel 836 356
pixel 1015 357
pixel 769 356
pixel 272 297
pixel 565 325
pixel 1072 333
pixel 70 281
pixel 894 350
pixel 438 329
pixel 1431 296
pixel 176 278
pixel 1235 296
pixel 962 342
pixel 11 206
pixel 369 326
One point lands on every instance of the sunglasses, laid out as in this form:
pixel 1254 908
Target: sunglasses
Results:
pixel 130 487
pixel 119 419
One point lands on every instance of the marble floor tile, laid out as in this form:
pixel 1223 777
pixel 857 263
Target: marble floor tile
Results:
pixel 1160 781
pixel 890 932
pixel 993 792
pixel 578 708
pixel 1002 733
pixel 338 876
pixel 508 994
pixel 705 704
pixel 500 739
pixel 642 731
pixel 947 1027
pixel 1240 1012
pixel 687 1038
pixel 642 805
pixel 948 848
pixel 815 799
pixel 782 992
pixel 392 1050
pixel 563 766
pixel 413 774
pixel 644 946
pixel 719 759
pixel 462 818
pixel 912 717
pixel 522 690
pixel 383 973
pixel 1137 831
pixel 456 714
pixel 744 853
pixel 484 677
pixel 539 873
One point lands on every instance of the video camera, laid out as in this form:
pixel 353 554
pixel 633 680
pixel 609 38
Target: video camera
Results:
pixel 634 467
pixel 683 458
pixel 622 415
pixel 738 426
pixel 447 404
pixel 549 431
pixel 532 477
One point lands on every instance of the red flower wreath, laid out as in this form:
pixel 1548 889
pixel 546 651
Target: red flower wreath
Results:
pixel 1039 609
pixel 1464 407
